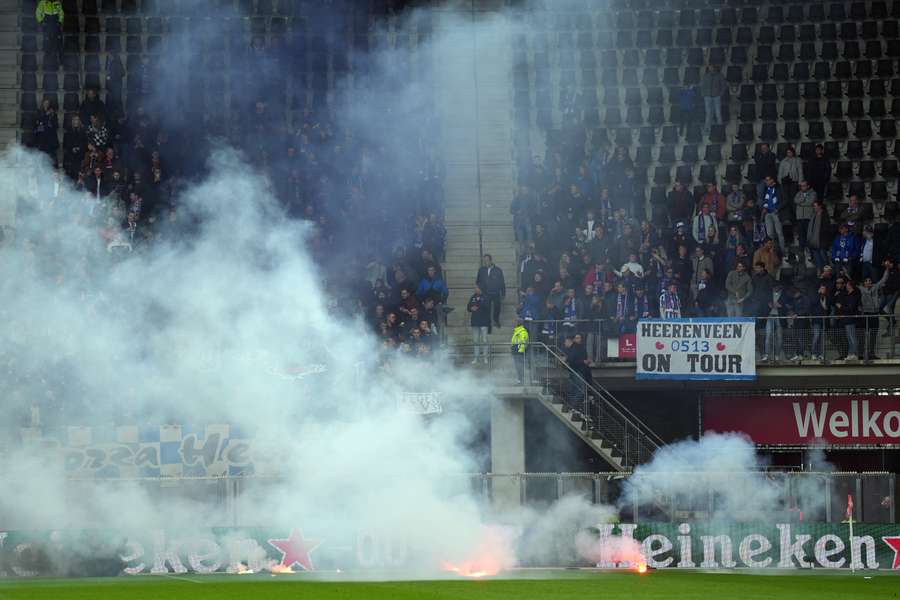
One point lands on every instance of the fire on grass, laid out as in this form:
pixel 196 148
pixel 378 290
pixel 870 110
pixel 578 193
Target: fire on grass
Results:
pixel 492 555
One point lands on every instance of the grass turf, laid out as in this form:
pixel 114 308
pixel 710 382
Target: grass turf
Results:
pixel 559 585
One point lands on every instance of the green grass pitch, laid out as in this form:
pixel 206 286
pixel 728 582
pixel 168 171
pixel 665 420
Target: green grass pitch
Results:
pixel 559 585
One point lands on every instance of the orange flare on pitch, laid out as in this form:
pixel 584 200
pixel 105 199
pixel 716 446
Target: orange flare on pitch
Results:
pixel 281 569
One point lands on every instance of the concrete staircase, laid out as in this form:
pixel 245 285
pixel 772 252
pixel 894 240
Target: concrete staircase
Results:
pixel 9 96
pixel 475 93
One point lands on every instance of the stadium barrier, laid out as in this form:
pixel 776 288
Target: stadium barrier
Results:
pixel 779 340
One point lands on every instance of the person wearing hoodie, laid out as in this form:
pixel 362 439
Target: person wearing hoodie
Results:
pixel 704 224
pixel 739 287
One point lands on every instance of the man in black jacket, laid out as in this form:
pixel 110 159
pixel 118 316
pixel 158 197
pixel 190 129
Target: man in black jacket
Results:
pixel 480 320
pixel 493 285
pixel 818 171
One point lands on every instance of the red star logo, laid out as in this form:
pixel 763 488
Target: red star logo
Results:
pixel 894 543
pixel 296 550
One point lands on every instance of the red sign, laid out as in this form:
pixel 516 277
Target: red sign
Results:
pixel 806 419
pixel 627 346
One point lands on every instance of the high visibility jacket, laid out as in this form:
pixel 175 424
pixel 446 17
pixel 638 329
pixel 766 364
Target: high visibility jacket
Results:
pixel 519 339
pixel 49 8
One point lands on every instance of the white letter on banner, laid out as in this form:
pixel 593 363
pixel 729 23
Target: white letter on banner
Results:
pixel 856 543
pixel 709 551
pixel 137 551
pixel 665 545
pixel 793 550
pixel 685 542
pixel 197 556
pixel 626 532
pixel 248 549
pixel 823 554
pixel 165 554
pixel 748 553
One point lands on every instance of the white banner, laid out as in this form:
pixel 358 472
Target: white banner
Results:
pixel 696 348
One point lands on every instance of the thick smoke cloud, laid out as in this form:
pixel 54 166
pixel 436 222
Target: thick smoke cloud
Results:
pixel 196 326
pixel 721 476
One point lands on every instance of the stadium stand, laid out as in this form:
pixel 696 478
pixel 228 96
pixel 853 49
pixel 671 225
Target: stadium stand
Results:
pixel 95 101
pixel 615 126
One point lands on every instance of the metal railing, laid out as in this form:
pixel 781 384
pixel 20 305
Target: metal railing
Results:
pixel 601 415
pixel 785 340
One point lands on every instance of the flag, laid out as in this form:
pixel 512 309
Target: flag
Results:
pixel 849 513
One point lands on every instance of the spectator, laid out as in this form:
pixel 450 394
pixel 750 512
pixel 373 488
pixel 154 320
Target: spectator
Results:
pixel 767 254
pixel 699 263
pixel 846 308
pixel 890 291
pixel 761 296
pixel 685 108
pixel 432 286
pixel 818 171
pixel 480 320
pixel 815 233
pixel 777 308
pixel 669 302
pixel 734 204
pixel 845 250
pixel 712 87
pixel 74 143
pixel 715 201
pixel 797 328
pixel 766 167
pixel 706 296
pixel 820 307
pixel 521 208
pixel 870 300
pixel 773 204
pixel 680 204
pixel 97 133
pixel 852 216
pixel 46 130
pixel 519 343
pixel 803 207
pixel 705 225
pixel 493 285
pixel 739 288
pixel 790 172
pixel 50 16
pixel 91 106
pixel 870 255
pixel 641 307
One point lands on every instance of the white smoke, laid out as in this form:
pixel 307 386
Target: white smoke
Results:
pixel 718 477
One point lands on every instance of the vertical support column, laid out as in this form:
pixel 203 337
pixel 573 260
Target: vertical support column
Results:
pixel 892 494
pixel 828 483
pixel 859 498
pixel 507 450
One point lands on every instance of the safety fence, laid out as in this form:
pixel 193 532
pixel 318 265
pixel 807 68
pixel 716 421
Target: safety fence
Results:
pixel 640 497
pixel 779 340
pixel 601 415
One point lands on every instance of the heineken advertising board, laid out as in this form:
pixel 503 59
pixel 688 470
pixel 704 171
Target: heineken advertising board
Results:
pixel 665 545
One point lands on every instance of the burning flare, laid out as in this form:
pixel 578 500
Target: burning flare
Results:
pixel 493 554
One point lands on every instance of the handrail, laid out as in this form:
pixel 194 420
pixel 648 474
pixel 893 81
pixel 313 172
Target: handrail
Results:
pixel 617 406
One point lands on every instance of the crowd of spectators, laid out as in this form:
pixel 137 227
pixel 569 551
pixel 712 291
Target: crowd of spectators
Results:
pixel 375 207
pixel 592 249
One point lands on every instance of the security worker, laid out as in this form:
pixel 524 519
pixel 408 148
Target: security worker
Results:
pixel 519 345
pixel 50 14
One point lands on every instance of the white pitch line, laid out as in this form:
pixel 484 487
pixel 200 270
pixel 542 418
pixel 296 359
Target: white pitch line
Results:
pixel 183 579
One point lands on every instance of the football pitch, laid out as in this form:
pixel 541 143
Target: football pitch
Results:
pixel 563 585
